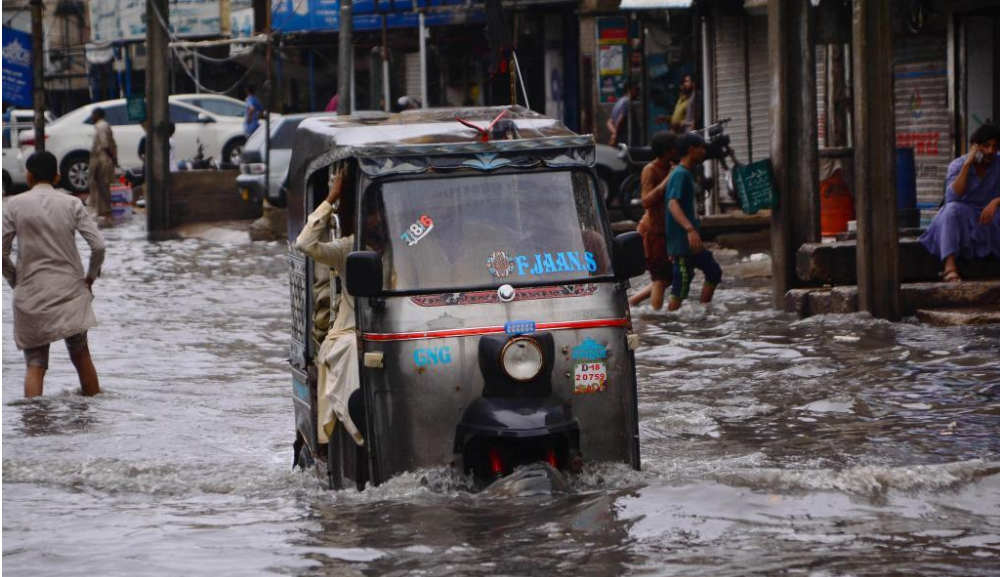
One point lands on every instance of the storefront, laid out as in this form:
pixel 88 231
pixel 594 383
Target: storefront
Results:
pixel 652 44
pixel 944 55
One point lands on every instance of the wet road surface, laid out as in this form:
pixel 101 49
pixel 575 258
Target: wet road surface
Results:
pixel 829 446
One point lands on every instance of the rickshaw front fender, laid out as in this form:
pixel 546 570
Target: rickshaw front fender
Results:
pixel 515 418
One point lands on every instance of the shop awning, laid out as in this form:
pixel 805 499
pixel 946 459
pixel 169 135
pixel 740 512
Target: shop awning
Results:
pixel 654 4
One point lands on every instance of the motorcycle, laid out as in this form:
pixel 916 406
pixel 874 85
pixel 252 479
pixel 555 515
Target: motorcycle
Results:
pixel 622 178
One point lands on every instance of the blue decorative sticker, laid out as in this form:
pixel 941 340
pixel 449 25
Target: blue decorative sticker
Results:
pixel 519 327
pixel 300 389
pixel 589 350
pixel 487 161
pixel 590 368
pixel 432 356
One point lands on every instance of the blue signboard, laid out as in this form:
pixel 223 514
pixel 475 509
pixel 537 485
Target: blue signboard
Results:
pixel 17 84
pixel 324 15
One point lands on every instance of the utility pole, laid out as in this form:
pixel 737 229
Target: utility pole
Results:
pixel 38 73
pixel 345 58
pixel 875 161
pixel 794 140
pixel 157 111
pixel 424 102
pixel 268 98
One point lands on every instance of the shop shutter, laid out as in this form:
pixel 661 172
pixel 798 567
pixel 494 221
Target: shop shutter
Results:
pixel 923 120
pixel 760 89
pixel 821 95
pixel 412 64
pixel 730 83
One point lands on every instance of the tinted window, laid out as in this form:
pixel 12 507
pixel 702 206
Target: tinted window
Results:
pixel 6 138
pixel 180 115
pixel 223 107
pixel 284 136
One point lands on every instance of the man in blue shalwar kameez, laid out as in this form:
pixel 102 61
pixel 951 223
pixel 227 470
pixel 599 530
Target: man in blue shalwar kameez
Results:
pixel 968 226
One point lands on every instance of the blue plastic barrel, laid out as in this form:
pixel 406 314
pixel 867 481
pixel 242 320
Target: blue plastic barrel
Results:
pixel 906 188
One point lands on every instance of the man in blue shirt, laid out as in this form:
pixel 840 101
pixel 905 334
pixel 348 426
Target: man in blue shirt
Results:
pixel 252 112
pixel 620 113
pixel 683 240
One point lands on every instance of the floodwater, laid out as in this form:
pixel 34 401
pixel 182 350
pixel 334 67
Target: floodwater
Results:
pixel 829 446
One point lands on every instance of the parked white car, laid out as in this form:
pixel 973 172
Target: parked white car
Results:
pixel 14 122
pixel 70 137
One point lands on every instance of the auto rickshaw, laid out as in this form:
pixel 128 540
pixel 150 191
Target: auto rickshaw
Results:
pixel 493 327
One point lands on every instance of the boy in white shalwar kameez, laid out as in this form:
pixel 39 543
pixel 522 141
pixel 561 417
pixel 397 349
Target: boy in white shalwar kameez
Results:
pixel 52 292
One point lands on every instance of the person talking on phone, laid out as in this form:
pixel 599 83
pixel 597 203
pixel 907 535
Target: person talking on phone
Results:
pixel 968 226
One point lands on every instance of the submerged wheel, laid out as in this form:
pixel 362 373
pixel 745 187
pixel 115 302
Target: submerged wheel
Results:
pixel 334 466
pixel 305 459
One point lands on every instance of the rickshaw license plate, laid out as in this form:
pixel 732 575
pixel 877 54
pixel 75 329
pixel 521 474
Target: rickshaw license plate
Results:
pixel 590 377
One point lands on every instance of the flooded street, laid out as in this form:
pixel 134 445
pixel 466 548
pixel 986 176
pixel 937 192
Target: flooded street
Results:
pixel 826 446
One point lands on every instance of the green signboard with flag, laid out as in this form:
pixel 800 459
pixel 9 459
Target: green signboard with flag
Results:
pixel 136 108
pixel 755 186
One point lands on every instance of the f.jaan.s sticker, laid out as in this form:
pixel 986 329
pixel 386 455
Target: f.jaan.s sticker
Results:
pixel 502 264
pixel 590 367
pixel 418 230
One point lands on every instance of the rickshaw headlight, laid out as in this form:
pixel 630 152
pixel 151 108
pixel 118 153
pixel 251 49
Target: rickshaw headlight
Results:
pixel 522 359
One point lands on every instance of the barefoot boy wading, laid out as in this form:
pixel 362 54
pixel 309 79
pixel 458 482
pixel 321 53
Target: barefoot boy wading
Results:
pixel 683 240
pixel 652 227
pixel 52 295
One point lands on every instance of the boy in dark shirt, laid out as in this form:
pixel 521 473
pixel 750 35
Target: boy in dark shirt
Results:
pixel 683 240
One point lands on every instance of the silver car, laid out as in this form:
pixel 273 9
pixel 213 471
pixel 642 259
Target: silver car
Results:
pixel 253 170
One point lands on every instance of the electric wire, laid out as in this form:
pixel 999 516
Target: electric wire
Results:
pixel 166 28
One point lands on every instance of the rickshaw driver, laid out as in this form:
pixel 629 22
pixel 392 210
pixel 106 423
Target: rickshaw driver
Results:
pixel 337 361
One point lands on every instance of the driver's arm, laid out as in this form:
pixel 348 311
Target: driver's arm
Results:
pixel 333 253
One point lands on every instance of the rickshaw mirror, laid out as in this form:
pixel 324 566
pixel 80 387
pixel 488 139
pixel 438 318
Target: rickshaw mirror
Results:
pixel 629 256
pixel 364 274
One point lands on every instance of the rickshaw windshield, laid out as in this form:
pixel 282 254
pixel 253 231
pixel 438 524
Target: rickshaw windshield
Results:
pixel 476 231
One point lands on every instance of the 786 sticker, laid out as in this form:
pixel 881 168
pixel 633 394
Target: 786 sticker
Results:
pixel 417 230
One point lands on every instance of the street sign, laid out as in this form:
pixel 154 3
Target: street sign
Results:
pixel 755 186
pixel 17 74
pixel 136 108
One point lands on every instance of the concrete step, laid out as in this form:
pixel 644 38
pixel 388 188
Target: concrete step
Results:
pixel 973 295
pixel 835 263
pixel 960 316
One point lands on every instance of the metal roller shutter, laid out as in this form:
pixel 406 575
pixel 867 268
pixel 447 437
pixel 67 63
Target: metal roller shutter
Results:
pixel 923 120
pixel 821 95
pixel 730 85
pixel 412 63
pixel 760 89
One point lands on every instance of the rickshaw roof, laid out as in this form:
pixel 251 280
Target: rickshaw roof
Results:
pixel 434 131
pixel 415 141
